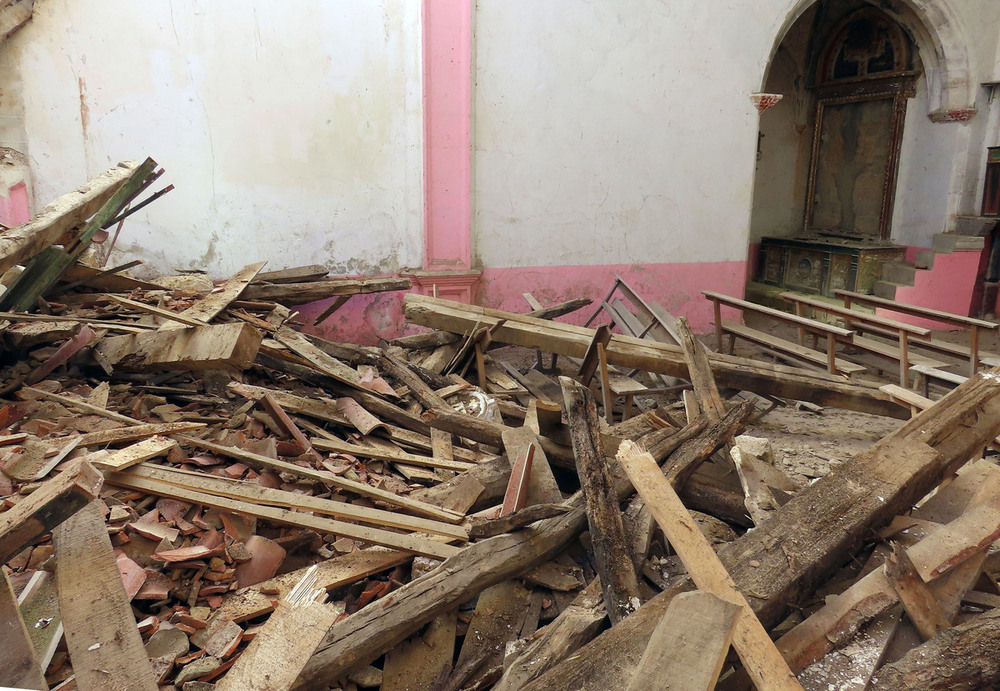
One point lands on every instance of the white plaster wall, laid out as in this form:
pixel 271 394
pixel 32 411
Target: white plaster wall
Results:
pixel 927 156
pixel 609 133
pixel 291 130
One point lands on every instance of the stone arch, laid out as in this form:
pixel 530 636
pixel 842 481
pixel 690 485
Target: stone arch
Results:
pixel 940 41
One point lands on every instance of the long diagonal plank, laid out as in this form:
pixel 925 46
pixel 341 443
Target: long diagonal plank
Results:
pixel 104 643
pixel 203 310
pixel 760 657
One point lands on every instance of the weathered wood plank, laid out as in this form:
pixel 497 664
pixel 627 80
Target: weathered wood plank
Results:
pixel 689 645
pixel 61 215
pixel 607 533
pixel 19 666
pixel 54 502
pixel 103 641
pixel 760 657
pixel 216 346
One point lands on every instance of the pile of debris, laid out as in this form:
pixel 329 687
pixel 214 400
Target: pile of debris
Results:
pixel 196 493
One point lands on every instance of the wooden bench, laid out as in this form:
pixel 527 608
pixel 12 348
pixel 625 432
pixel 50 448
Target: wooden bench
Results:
pixel 925 374
pixel 830 362
pixel 854 319
pixel 973 325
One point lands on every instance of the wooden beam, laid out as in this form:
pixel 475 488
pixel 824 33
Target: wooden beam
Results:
pixel 60 216
pixel 648 356
pixel 301 293
pixel 101 634
pixel 760 657
pixel 607 533
pixel 55 501
pixel 808 538
pixel 209 306
pixel 924 611
pixel 216 346
pixel 271 662
pixel 689 645
pixel 409 543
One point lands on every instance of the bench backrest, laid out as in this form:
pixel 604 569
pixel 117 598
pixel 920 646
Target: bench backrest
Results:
pixel 863 317
pixel 778 315
pixel 915 310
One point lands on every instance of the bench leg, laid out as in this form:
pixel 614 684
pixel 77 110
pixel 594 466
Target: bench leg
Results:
pixel 628 407
pixel 904 358
pixel 732 343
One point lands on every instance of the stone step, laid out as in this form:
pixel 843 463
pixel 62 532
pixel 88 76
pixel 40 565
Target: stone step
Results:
pixel 899 272
pixel 951 242
pixel 886 289
pixel 924 259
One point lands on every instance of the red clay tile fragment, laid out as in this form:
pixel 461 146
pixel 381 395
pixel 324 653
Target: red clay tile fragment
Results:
pixel 133 575
pixel 266 557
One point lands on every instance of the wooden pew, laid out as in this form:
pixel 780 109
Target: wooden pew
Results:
pixel 831 333
pixel 973 325
pixel 857 320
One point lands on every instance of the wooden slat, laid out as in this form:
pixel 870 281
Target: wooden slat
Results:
pixel 254 493
pixel 915 310
pixel 788 347
pixel 135 454
pixel 855 315
pixel 375 536
pixel 365 490
pixel 794 320
pixel 103 641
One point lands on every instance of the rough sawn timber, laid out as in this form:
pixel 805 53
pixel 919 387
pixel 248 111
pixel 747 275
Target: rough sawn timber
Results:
pixel 780 562
pixel 61 215
pixel 648 356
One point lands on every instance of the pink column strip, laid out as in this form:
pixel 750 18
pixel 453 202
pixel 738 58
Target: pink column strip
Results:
pixel 447 49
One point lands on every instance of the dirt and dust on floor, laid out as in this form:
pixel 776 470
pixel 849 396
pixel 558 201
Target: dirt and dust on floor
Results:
pixel 198 493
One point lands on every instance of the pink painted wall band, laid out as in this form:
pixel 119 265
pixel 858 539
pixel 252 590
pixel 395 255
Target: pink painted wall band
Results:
pixel 447 52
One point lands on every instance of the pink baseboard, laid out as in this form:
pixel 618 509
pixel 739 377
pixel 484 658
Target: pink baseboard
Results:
pixel 947 286
pixel 364 319
pixel 676 286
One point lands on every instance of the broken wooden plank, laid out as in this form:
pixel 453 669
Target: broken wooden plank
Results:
pixel 963 658
pixel 574 626
pixel 607 533
pixel 209 306
pixel 260 598
pixel 808 537
pixel 924 611
pixel 60 216
pixel 409 543
pixel 39 602
pixel 497 621
pixel 421 662
pixel 19 665
pixel 318 407
pixel 135 454
pixel 270 663
pixel 136 432
pixel 101 635
pixel 700 372
pixel 54 502
pixel 322 362
pixel 689 645
pixel 648 356
pixel 67 350
pixel 760 657
pixel 313 291
pixel 216 346
pixel 295 274
pixel 256 494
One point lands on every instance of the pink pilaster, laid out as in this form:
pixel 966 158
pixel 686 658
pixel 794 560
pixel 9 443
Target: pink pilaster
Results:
pixel 447 52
